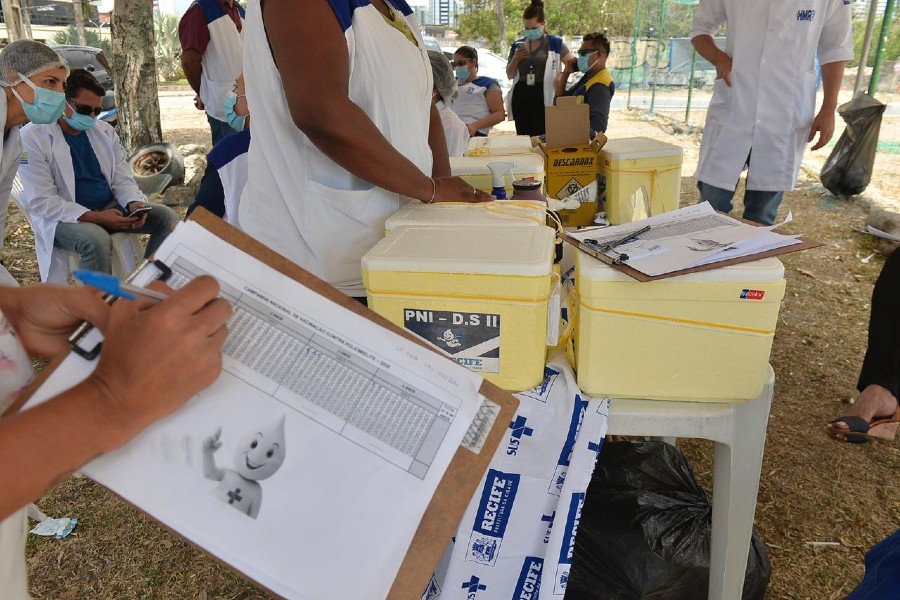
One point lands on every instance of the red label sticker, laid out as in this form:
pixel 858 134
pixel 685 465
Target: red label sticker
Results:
pixel 753 294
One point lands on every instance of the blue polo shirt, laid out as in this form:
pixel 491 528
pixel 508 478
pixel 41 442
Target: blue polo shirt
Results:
pixel 92 191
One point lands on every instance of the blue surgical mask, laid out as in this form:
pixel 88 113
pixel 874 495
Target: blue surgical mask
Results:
pixel 584 63
pixel 80 122
pixel 534 34
pixel 235 121
pixel 462 73
pixel 48 105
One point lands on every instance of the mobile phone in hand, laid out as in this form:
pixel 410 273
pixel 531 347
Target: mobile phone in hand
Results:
pixel 521 45
pixel 139 211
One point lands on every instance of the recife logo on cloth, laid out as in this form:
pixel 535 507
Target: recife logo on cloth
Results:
pixel 806 14
pixel 565 456
pixel 567 550
pixel 492 516
pixel 529 585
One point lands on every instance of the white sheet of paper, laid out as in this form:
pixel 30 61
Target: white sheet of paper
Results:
pixel 371 422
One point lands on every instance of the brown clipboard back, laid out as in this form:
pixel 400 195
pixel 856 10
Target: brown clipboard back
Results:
pixel 643 277
pixel 452 496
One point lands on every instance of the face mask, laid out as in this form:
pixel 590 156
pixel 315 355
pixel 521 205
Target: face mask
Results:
pixel 583 63
pixel 48 105
pixel 235 121
pixel 79 122
pixel 534 34
pixel 462 73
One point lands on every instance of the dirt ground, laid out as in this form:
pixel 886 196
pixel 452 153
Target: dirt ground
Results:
pixel 812 489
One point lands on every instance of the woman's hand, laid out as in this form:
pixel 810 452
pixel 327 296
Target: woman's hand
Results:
pixel 455 189
pixel 45 315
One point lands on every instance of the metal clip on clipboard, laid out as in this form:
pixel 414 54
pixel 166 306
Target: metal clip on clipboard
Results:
pixel 607 252
pixel 79 334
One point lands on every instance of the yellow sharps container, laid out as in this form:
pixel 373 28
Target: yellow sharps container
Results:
pixel 481 295
pixel 626 164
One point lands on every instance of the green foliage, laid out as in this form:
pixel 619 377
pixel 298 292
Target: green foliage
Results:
pixel 168 47
pixel 891 48
pixel 70 36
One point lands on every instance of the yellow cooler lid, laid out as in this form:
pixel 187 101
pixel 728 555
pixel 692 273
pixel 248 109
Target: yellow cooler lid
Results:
pixel 638 147
pixel 502 213
pixel 498 145
pixel 523 251
pixel 526 164
pixel 757 271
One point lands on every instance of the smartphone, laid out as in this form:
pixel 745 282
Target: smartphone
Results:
pixel 140 211
pixel 521 45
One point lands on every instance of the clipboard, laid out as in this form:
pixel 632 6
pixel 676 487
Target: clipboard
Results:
pixel 460 481
pixel 643 277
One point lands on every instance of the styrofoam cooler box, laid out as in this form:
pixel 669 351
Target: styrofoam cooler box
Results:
pixel 626 164
pixel 498 145
pixel 502 213
pixel 704 336
pixel 481 296
pixel 474 169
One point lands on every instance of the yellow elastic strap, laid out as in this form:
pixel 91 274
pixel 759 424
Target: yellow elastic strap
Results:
pixel 473 298
pixel 623 313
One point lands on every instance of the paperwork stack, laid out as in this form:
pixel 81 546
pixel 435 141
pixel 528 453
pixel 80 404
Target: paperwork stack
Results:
pixel 704 336
pixel 482 297
pixel 475 170
pixel 626 164
pixel 510 213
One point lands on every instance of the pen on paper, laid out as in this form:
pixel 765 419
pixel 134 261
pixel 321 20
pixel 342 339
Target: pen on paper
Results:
pixel 115 287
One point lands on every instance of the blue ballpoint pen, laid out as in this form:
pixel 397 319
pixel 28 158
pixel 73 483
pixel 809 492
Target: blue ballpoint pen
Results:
pixel 115 287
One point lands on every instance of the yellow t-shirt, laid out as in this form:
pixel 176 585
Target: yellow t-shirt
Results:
pixel 399 23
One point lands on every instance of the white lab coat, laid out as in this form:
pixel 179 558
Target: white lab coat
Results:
pixel 48 179
pixel 771 105
pixel 455 130
pixel 298 201
pixel 10 153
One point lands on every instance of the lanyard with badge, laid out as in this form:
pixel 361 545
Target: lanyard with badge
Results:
pixel 530 78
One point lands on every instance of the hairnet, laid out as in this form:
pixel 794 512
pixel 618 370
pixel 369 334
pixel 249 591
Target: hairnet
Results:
pixel 24 58
pixel 444 79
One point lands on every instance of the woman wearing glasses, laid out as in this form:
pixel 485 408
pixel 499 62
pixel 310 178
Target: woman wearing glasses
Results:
pixel 535 66
pixel 78 188
pixel 479 102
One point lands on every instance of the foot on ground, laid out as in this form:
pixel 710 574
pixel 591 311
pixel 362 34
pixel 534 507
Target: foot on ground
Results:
pixel 874 403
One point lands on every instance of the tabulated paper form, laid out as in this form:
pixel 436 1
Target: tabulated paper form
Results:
pixel 370 422
pixel 688 237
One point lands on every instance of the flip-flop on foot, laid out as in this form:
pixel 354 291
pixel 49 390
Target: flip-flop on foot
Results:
pixel 861 431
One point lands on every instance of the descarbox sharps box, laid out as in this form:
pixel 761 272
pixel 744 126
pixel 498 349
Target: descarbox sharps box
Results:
pixel 480 295
pixel 702 336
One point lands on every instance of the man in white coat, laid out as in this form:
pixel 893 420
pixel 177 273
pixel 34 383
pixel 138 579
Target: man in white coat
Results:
pixel 761 115
pixel 78 188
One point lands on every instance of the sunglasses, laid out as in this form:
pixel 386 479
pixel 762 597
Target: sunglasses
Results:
pixel 84 109
pixel 586 52
pixel 459 63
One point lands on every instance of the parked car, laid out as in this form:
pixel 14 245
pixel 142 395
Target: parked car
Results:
pixel 93 60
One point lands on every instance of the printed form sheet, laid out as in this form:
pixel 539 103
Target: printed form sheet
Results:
pixel 315 453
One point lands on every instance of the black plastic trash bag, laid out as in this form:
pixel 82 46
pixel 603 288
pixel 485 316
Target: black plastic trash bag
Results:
pixel 848 169
pixel 644 531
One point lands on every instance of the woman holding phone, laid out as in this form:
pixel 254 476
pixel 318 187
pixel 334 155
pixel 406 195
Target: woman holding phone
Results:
pixel 535 64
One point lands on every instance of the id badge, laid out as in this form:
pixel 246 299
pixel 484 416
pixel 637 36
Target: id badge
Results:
pixel 529 79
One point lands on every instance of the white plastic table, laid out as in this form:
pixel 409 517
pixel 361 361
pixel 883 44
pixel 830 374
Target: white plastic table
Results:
pixel 739 433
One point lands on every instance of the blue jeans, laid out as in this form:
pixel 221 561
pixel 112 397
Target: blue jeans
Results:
pixel 219 129
pixel 93 243
pixel 759 207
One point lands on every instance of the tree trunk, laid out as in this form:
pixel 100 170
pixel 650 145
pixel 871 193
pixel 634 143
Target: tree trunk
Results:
pixel 78 13
pixel 134 73
pixel 501 28
pixel 12 15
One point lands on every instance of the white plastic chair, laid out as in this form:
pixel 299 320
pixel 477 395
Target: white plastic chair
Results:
pixel 127 249
pixel 739 433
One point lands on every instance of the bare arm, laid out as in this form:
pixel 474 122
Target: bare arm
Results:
pixel 316 89
pixel 192 66
pixel 823 124
pixel 706 47
pixel 513 67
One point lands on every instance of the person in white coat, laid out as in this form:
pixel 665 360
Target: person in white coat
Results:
pixel 78 189
pixel 32 77
pixel 761 115
pixel 445 90
pixel 343 129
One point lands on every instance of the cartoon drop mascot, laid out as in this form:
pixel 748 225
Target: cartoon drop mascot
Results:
pixel 258 456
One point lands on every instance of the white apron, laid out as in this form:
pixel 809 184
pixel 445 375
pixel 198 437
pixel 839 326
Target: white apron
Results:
pixel 298 201
pixel 770 107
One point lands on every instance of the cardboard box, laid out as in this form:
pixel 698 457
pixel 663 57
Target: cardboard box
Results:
pixel 571 159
